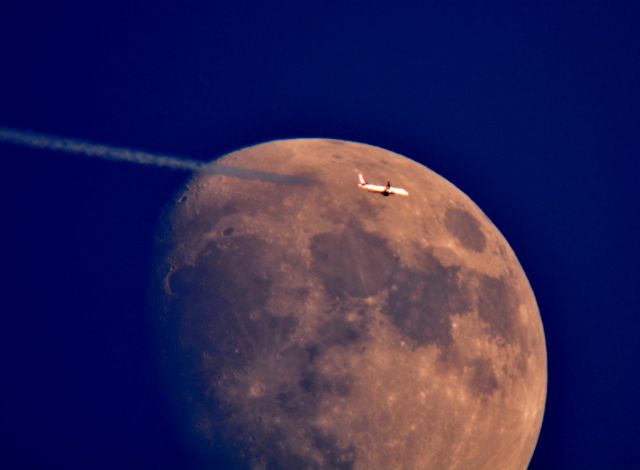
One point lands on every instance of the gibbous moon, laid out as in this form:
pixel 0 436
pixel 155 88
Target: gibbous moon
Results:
pixel 323 326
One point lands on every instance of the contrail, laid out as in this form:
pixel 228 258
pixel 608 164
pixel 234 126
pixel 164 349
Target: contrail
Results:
pixel 87 149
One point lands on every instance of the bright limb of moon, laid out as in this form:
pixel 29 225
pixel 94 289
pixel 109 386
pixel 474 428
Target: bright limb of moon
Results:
pixel 87 149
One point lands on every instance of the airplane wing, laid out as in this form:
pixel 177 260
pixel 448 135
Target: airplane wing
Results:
pixel 398 191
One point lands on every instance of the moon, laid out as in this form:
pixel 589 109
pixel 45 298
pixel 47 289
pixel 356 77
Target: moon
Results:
pixel 323 326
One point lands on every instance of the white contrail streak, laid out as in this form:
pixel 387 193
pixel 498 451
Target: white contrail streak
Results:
pixel 87 149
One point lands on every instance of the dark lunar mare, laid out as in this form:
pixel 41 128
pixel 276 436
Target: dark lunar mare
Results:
pixel 353 262
pixel 465 228
pixel 422 301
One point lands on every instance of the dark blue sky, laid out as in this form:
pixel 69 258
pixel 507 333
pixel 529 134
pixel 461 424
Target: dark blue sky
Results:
pixel 531 108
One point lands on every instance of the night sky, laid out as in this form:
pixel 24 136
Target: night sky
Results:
pixel 530 108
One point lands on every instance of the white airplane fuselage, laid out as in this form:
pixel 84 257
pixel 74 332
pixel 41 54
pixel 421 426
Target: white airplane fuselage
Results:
pixel 387 190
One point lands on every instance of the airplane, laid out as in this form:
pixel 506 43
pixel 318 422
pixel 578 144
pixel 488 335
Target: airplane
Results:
pixel 387 190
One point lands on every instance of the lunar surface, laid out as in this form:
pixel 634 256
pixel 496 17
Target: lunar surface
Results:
pixel 322 326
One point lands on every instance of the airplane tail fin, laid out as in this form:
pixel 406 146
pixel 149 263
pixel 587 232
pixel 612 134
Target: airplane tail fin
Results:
pixel 361 179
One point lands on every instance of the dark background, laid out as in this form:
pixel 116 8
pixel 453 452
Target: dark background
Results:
pixel 531 108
